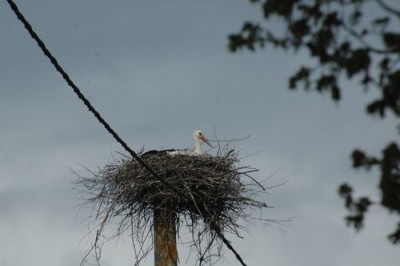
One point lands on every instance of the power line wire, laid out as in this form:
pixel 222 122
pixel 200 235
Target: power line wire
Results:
pixel 77 91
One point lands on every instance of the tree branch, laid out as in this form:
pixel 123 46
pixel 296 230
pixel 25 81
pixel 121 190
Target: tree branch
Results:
pixel 360 39
pixel 388 8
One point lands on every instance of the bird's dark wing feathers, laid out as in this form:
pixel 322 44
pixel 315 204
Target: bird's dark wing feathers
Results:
pixel 155 152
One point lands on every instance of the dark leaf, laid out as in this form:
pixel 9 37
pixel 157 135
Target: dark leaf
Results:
pixel 360 159
pixel 364 32
pixel 299 28
pixel 357 62
pixel 249 37
pixel 367 79
pixel 376 107
pixel 279 7
pixel 390 180
pixel 382 22
pixel 325 82
pixel 390 84
pixel 395 79
pixel 355 220
pixel 392 40
pixel 311 11
pixel 355 17
pixel 318 51
pixel 358 210
pixel 335 93
pixel 345 191
pixel 363 204
pixel 384 64
pixel 303 75
pixel 331 19
pixel 395 236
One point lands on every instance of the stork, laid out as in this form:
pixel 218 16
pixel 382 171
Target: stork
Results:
pixel 198 139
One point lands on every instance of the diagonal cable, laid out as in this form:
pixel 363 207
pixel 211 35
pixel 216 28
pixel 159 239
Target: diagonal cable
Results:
pixel 66 77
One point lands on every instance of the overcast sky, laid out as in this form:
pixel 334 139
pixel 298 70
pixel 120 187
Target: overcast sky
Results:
pixel 157 70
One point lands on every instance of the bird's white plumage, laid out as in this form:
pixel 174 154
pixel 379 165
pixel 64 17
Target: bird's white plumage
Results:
pixel 198 139
pixel 182 152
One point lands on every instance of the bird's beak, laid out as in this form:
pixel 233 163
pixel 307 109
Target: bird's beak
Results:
pixel 205 140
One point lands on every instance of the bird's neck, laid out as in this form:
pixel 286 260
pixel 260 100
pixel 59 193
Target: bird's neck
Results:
pixel 197 147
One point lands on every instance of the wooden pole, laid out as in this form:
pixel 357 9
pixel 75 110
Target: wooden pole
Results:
pixel 165 252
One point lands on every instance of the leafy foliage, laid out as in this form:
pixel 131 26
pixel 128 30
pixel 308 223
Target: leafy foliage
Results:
pixel 389 186
pixel 345 40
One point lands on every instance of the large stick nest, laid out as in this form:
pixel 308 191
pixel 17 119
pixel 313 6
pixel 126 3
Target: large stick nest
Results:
pixel 203 190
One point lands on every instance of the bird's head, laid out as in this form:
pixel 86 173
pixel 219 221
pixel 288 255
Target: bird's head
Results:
pixel 198 135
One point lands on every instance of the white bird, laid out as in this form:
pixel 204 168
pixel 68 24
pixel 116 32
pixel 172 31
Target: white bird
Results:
pixel 198 139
